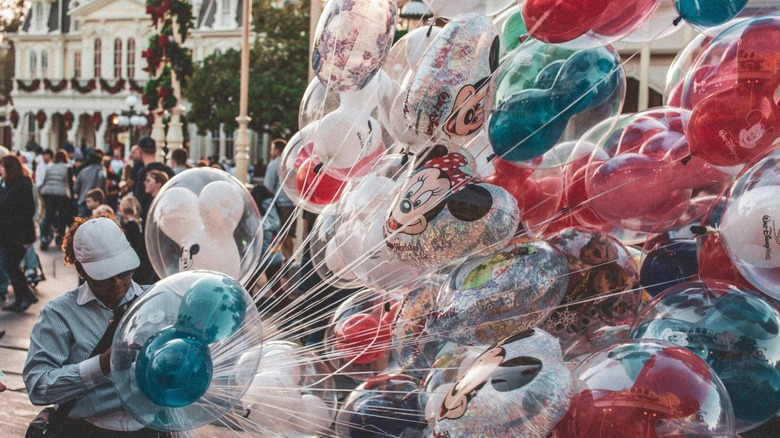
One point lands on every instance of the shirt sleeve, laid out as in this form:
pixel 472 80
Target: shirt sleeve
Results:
pixel 47 378
pixel 271 178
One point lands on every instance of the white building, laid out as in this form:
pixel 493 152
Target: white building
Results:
pixel 78 60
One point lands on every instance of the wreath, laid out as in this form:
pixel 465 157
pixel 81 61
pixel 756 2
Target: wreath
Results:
pixel 165 50
pixel 135 86
pixel 118 86
pixel 83 88
pixel 41 119
pixel 68 118
pixel 28 87
pixel 97 120
pixel 55 87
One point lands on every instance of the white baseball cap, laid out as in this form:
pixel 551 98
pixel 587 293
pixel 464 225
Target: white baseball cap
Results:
pixel 103 250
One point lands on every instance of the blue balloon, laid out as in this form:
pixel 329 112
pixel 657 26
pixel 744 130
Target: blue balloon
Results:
pixel 212 309
pixel 708 13
pixel 172 369
pixel 532 121
pixel 671 263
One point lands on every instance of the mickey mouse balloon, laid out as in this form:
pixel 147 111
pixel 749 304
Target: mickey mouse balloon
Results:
pixel 204 219
pixel 442 212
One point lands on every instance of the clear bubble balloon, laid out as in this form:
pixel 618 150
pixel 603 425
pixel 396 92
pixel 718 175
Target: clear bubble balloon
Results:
pixel 329 234
pixel 519 383
pixel 184 353
pixel 450 9
pixel 292 394
pixel 490 297
pixel 204 219
pixel 387 405
pixel 734 330
pixel 646 388
pixel 414 347
pixel 659 25
pixel 316 103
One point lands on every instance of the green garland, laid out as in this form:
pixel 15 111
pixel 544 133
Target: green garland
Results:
pixel 33 85
pixel 55 87
pixel 164 50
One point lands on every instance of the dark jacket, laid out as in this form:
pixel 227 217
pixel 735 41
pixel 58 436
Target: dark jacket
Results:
pixel 17 209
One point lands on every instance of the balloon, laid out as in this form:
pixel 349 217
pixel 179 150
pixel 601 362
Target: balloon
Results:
pixel 174 369
pixel 678 70
pixel 316 103
pixel 327 238
pixel 734 330
pixel 387 406
pixel 749 229
pixel 413 347
pixel 646 388
pixel 668 261
pixel 348 143
pixel 736 117
pixel 512 30
pixel 659 25
pixel 600 289
pixel 647 182
pixel 212 309
pixel 357 339
pixel 488 298
pixel 442 212
pixel 448 97
pixel 351 40
pixel 585 23
pixel 449 9
pixel 204 219
pixel 514 388
pixel 293 393
pixel 532 121
pixel 709 13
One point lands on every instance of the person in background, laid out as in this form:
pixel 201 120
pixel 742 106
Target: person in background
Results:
pixel 112 184
pixel 155 179
pixel 284 205
pixel 149 159
pixel 132 166
pixel 41 164
pixel 102 210
pixel 91 176
pixel 94 198
pixel 60 368
pixel 117 161
pixel 17 208
pixel 130 221
pixel 179 160
pixel 56 193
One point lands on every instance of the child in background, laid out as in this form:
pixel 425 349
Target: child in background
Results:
pixel 130 210
pixel 95 197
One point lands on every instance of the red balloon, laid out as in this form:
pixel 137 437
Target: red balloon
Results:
pixel 363 339
pixel 509 176
pixel 559 21
pixel 317 187
pixel 622 17
pixel 715 263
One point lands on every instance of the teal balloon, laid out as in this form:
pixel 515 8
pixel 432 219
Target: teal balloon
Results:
pixel 213 308
pixel 173 370
pixel 708 13
pixel 532 121
pixel 513 30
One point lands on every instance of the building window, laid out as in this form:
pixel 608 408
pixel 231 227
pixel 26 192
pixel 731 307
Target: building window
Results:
pixel 39 18
pixel 98 57
pixel 33 65
pixel 226 18
pixel 117 58
pixel 44 64
pixel 131 58
pixel 77 65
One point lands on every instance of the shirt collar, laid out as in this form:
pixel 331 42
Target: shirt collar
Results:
pixel 85 294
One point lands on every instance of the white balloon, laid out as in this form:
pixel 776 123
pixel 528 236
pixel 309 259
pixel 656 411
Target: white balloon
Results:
pixel 348 141
pixel 178 214
pixel 750 227
pixel 221 206
pixel 314 416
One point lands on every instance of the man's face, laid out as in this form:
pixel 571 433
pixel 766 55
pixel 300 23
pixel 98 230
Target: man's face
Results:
pixel 47 158
pixel 110 290
pixel 91 203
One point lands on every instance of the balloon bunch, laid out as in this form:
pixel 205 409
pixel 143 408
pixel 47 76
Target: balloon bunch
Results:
pixel 494 246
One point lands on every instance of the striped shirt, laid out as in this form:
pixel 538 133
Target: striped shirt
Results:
pixel 58 366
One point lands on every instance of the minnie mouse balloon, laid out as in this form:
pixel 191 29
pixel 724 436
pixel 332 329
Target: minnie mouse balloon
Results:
pixel 448 97
pixel 514 388
pixel 442 212
pixel 351 41
pixel 204 219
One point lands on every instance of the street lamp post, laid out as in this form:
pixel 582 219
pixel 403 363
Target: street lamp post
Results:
pixel 131 119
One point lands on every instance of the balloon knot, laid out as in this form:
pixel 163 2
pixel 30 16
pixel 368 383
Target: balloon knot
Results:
pixel 317 168
pixel 678 20
pixel 686 159
pixel 404 159
pixel 387 306
pixel 700 230
pixel 491 157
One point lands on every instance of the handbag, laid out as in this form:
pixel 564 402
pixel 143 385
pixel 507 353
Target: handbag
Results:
pixel 53 422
